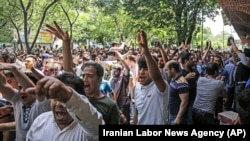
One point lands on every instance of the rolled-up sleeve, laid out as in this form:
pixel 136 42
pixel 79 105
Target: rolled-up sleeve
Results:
pixel 85 114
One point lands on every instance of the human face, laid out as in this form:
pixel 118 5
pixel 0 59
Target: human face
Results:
pixel 26 99
pixel 91 81
pixel 144 77
pixel 10 78
pixel 116 72
pixel 61 115
pixel 169 72
pixel 217 60
pixel 29 63
pixel 191 61
pixel 51 71
pixel 160 62
pixel 97 60
pixel 175 58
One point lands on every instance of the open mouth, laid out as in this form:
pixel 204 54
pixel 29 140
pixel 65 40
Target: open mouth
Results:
pixel 24 96
pixel 86 87
pixel 60 114
pixel 142 78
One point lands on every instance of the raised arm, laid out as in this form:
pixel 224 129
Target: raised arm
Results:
pixel 85 113
pixel 7 91
pixel 163 53
pixel 8 126
pixel 151 64
pixel 63 35
pixel 124 64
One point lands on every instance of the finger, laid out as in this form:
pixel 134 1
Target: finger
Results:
pixel 138 36
pixel 58 27
pixel 40 85
pixel 46 88
pixel 47 85
pixel 67 34
pixel 53 90
pixel 50 28
pixel 37 74
pixel 143 37
pixel 30 91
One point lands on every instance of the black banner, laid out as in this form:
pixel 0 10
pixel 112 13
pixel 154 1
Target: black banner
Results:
pixel 225 132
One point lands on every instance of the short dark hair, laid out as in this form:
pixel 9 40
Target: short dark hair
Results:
pixel 31 76
pixel 72 79
pixel 132 58
pixel 7 56
pixel 31 56
pixel 142 61
pixel 244 106
pixel 185 56
pixel 174 64
pixel 113 44
pixel 211 68
pixel 97 66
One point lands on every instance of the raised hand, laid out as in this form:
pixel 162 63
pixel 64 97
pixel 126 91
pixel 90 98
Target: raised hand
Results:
pixel 142 41
pixel 6 66
pixel 182 45
pixel 58 32
pixel 118 54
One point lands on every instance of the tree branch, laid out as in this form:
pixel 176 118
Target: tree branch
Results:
pixel 28 5
pixel 41 21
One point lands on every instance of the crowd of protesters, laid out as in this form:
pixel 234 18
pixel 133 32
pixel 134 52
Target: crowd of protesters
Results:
pixel 65 94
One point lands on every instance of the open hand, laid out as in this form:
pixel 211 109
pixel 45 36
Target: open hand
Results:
pixel 58 32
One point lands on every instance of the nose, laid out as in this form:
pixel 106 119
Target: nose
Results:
pixel 84 78
pixel 57 103
pixel 141 70
pixel 21 90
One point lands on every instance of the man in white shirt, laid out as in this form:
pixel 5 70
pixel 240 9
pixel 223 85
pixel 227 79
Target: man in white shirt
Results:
pixel 151 92
pixel 72 117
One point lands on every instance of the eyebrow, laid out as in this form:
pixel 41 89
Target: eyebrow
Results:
pixel 88 73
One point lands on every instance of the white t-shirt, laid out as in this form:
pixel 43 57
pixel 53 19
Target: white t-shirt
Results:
pixel 151 104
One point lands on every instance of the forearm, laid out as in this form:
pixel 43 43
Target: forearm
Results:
pixel 182 109
pixel 22 78
pixel 85 112
pixel 7 91
pixel 8 126
pixel 236 50
pixel 205 55
pixel 67 57
pixel 164 55
pixel 135 118
pixel 152 65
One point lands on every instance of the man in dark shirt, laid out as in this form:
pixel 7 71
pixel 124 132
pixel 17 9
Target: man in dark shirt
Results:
pixel 191 74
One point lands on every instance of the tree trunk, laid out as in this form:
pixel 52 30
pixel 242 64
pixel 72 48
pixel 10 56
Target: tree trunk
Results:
pixel 41 21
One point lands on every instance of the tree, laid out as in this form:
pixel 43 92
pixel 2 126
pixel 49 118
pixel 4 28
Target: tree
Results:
pixel 20 14
pixel 121 26
pixel 183 15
